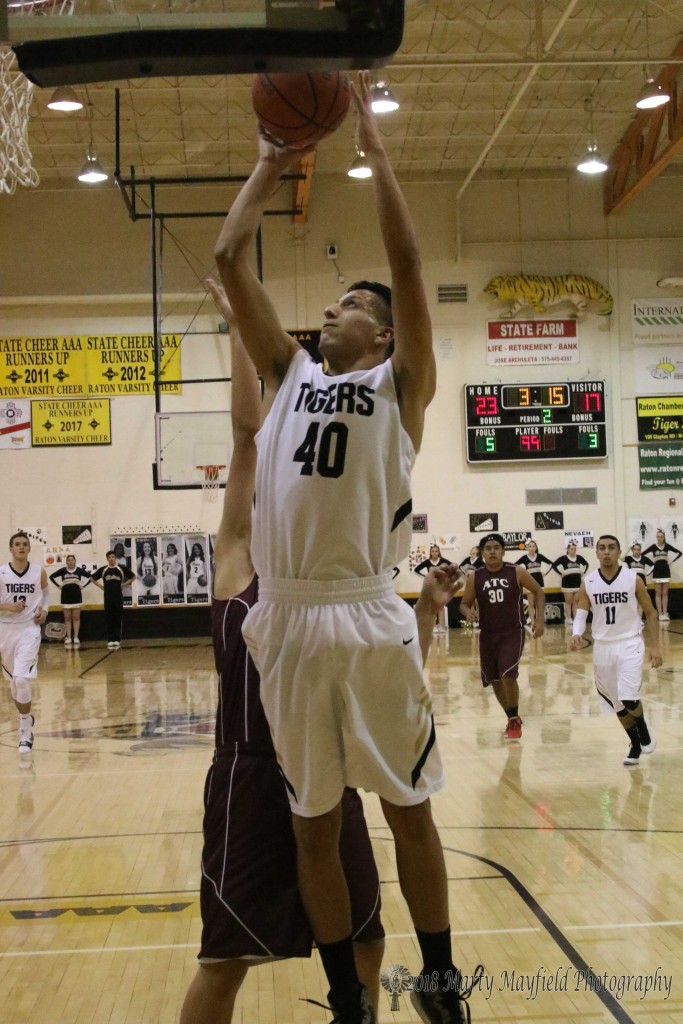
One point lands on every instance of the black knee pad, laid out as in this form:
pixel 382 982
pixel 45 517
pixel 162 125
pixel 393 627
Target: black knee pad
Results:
pixel 622 713
pixel 630 705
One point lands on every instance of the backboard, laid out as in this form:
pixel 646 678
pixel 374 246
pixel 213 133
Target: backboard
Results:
pixel 108 40
pixel 186 440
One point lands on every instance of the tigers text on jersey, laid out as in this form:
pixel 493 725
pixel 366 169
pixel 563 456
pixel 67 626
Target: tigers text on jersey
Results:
pixel 333 495
pixel 14 586
pixel 616 614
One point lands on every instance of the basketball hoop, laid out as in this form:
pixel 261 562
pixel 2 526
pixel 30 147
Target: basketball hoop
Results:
pixel 15 99
pixel 210 481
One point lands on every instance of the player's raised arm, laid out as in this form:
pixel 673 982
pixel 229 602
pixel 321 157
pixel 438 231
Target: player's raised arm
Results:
pixel 413 357
pixel 268 344
pixel 234 568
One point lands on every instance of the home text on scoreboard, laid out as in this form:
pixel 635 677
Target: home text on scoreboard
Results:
pixel 535 422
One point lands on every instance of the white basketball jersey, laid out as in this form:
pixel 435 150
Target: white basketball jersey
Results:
pixel 614 603
pixel 26 585
pixel 333 476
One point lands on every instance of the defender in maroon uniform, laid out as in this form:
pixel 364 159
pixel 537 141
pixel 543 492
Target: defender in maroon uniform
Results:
pixel 251 910
pixel 496 587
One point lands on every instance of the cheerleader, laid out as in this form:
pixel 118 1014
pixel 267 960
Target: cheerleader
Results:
pixel 570 567
pixel 533 562
pixel 69 579
pixel 661 574
pixel 640 565
pixel 435 559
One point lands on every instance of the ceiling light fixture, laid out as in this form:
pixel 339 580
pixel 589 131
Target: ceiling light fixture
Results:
pixel 92 171
pixel 652 94
pixel 383 100
pixel 591 162
pixel 64 98
pixel 360 168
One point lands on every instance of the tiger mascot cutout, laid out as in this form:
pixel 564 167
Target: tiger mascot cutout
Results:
pixel 539 291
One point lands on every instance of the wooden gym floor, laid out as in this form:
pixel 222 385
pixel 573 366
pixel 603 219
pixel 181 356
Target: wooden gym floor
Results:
pixel 560 859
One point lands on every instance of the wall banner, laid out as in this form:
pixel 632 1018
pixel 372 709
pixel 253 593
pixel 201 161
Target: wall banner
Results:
pixel 86 365
pixel 660 419
pixel 531 342
pixel 15 424
pixel 661 465
pixel 515 540
pixel 549 520
pixel 483 522
pixel 657 321
pixel 55 424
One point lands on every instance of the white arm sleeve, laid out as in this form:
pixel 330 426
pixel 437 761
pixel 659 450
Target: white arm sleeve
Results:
pixel 580 620
pixel 45 603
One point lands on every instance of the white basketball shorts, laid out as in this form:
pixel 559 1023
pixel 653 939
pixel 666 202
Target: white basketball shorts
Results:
pixel 19 648
pixel 618 670
pixel 343 691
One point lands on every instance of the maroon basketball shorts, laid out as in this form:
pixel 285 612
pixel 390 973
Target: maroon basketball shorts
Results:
pixel 249 897
pixel 499 654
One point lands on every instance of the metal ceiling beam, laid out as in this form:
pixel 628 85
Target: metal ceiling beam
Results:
pixel 651 142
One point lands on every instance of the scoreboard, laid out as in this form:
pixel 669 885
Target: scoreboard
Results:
pixel 535 422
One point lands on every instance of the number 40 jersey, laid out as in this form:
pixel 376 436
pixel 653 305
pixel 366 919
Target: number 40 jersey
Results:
pixel 614 605
pixel 333 496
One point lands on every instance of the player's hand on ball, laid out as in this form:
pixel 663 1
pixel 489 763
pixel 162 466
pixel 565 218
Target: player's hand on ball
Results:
pixel 281 157
pixel 575 643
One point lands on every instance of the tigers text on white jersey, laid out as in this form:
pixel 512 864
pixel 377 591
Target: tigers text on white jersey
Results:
pixel 333 495
pixel 14 586
pixel 616 614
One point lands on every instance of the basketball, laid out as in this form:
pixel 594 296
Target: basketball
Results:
pixel 149 581
pixel 201 580
pixel 300 108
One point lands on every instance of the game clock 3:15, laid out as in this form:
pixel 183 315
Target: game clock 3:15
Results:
pixel 535 422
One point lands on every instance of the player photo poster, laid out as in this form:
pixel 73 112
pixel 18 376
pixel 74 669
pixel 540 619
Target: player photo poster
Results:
pixel 147 570
pixel 212 559
pixel 123 548
pixel 172 569
pixel 196 568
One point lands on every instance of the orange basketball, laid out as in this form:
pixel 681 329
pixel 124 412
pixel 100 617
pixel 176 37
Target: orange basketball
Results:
pixel 300 108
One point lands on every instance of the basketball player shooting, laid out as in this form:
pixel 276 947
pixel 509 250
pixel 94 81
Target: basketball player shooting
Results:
pixel 341 673
pixel 252 912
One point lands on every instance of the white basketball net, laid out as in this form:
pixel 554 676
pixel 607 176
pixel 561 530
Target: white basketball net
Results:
pixel 211 482
pixel 15 99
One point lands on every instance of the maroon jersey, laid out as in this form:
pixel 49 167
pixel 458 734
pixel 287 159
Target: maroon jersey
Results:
pixel 249 893
pixel 239 716
pixel 499 599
